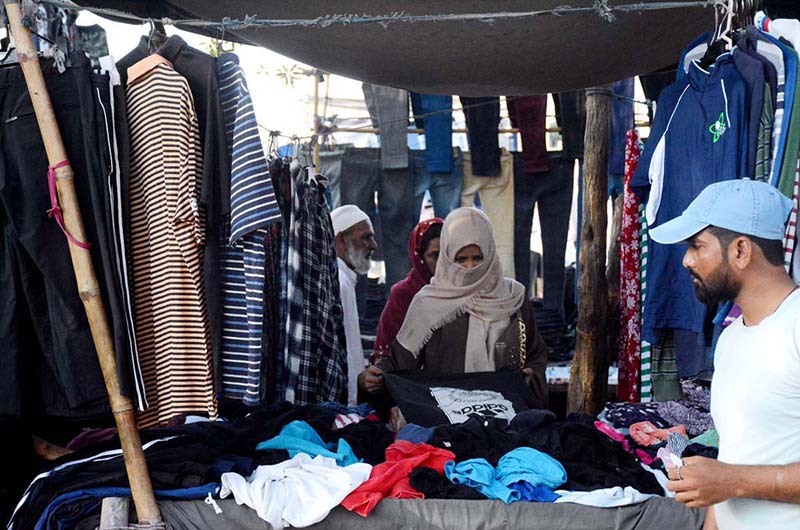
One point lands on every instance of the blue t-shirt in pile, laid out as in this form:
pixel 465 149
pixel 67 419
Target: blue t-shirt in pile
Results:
pixel 705 143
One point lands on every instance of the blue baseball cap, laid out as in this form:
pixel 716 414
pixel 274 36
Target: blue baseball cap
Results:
pixel 742 205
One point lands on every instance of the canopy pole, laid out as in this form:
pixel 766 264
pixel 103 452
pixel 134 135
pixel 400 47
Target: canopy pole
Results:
pixel 88 288
pixel 316 119
pixel 589 374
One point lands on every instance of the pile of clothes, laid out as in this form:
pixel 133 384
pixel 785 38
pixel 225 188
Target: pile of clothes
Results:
pixel 644 428
pixel 293 464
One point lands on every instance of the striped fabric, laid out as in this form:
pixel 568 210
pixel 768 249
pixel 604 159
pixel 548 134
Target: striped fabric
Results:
pixel 646 383
pixel 764 145
pixel 777 123
pixel 167 238
pixel 118 232
pixel 790 237
pixel 253 208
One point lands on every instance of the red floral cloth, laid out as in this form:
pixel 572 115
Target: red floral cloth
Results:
pixel 391 478
pixel 630 284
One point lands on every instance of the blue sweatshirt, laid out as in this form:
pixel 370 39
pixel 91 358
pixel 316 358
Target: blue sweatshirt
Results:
pixel 706 143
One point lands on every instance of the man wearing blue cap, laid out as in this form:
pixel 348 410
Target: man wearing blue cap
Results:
pixel 735 231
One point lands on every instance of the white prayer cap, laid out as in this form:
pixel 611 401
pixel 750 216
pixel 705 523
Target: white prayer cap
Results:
pixel 346 216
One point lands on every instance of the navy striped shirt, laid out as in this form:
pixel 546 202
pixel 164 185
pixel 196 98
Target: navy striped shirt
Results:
pixel 253 207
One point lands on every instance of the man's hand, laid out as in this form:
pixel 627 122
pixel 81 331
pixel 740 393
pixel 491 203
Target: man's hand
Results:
pixel 703 482
pixel 371 379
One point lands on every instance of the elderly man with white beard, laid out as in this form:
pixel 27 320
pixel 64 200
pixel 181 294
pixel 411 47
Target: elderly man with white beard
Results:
pixel 355 242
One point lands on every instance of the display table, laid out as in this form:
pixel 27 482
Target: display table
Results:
pixel 395 514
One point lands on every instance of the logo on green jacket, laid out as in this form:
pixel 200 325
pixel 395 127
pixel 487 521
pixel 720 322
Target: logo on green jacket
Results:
pixel 718 128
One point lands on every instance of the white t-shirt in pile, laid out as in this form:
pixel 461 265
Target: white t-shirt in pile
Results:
pixel 297 492
pixel 755 403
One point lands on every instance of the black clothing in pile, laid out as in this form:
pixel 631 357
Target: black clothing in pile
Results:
pixel 591 459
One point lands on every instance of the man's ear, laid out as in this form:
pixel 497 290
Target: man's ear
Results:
pixel 742 249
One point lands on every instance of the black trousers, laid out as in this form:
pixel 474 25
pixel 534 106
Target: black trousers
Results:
pixel 552 191
pixel 48 361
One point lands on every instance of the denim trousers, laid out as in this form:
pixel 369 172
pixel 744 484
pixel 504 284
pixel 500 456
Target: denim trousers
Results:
pixel 445 188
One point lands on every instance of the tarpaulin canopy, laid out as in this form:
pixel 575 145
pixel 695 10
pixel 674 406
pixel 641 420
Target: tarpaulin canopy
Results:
pixel 504 52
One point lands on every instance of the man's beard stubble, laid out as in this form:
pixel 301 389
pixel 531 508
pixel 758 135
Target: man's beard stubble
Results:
pixel 718 287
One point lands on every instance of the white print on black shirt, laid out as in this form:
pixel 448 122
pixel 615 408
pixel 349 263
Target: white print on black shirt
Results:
pixel 459 404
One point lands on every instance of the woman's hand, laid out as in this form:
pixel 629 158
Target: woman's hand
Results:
pixel 528 373
pixel 371 379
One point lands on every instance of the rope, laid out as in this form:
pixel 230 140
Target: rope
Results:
pixel 55 210
pixel 600 8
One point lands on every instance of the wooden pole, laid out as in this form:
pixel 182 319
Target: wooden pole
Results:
pixel 88 288
pixel 612 280
pixel 316 119
pixel 589 374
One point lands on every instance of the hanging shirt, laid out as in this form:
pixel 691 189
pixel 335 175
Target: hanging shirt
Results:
pixel 253 208
pixel 200 71
pixel 700 131
pixel 764 145
pixel 352 331
pixel 313 357
pixel 761 45
pixel 167 242
pixel 756 389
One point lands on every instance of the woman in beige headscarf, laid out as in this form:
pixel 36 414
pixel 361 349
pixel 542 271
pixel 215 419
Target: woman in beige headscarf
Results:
pixel 470 318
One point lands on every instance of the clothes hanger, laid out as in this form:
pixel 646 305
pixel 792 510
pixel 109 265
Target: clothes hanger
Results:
pixel 726 35
pixel 157 36
pixel 221 49
pixel 272 152
pixel 55 51
pixel 720 40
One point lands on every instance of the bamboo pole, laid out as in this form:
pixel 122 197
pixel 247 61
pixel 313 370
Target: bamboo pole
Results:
pixel 589 374
pixel 88 288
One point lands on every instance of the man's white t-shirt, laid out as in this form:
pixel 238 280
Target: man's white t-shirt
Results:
pixel 352 331
pixel 755 403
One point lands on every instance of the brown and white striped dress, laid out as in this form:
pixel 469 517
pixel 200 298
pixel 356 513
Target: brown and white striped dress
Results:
pixel 166 244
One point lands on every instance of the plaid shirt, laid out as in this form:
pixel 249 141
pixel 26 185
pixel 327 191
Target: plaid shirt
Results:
pixel 314 355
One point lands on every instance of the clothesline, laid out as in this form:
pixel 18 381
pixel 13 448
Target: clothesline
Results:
pixel 600 8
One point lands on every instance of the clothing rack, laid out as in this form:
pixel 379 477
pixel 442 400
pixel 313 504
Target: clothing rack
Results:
pixel 61 176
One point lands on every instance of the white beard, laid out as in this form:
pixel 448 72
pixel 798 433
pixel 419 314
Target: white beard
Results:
pixel 360 261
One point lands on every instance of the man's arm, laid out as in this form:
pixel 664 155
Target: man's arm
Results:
pixel 705 482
